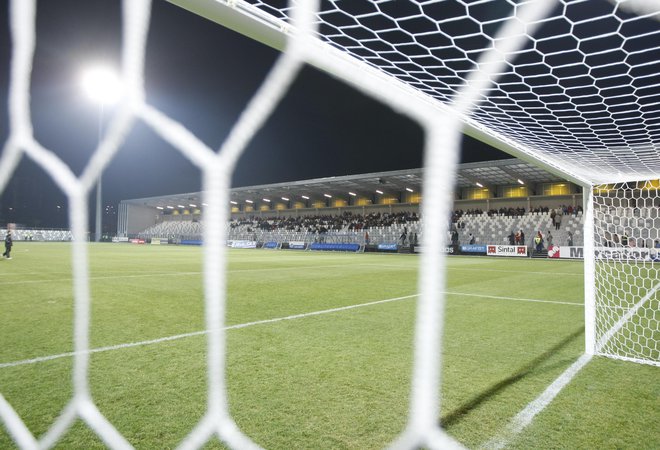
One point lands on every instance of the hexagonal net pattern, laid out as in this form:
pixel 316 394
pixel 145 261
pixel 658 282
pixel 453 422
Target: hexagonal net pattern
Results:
pixel 573 89
pixel 627 269
pixel 581 94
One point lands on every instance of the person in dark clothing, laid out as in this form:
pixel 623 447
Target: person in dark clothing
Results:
pixel 8 244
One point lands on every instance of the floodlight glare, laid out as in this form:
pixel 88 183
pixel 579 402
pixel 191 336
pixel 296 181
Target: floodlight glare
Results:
pixel 159 207
pixel 266 200
pixel 192 205
pixel 305 197
pixel 379 192
pixel 233 202
pixel 520 181
pixel 480 185
pixel 409 190
pixel 352 194
pixel 249 201
pixel 285 199
pixel 327 195
pixel 101 84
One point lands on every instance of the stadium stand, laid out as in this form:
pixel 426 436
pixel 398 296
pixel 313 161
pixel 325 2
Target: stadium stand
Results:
pixel 30 234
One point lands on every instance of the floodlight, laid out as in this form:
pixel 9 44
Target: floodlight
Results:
pixel 480 185
pixel 249 201
pixel 101 84
pixel 409 190
pixel 520 181
pixel 267 200
pixel 285 199
pixel 379 192
pixel 305 197
pixel 352 194
pixel 233 202
pixel 327 195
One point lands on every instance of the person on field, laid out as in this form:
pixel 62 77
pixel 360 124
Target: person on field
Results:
pixel 8 244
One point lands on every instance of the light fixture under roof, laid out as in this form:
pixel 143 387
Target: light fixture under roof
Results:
pixel 409 190
pixel 170 207
pixel 379 192
pixel 327 195
pixel 267 200
pixel 192 205
pixel 305 197
pixel 157 207
pixel 480 185
pixel 352 194
pixel 249 201
pixel 285 199
pixel 233 202
pixel 520 181
pixel 180 206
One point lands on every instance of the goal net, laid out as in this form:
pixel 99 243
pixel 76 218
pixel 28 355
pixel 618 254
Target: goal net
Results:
pixel 627 271
pixel 568 85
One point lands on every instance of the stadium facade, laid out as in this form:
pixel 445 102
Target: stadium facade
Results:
pixel 489 185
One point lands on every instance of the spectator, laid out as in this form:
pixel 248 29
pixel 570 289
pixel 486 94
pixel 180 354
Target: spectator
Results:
pixel 472 239
pixel 569 240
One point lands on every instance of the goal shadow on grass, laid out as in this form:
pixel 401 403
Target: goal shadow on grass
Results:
pixel 456 415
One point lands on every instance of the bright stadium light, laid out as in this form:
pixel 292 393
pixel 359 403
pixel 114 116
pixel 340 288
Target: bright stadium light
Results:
pixel 192 205
pixel 267 200
pixel 305 197
pixel 180 206
pixel 409 190
pixel 102 85
pixel 233 202
pixel 159 207
pixel 170 207
pixel 327 195
pixel 520 181
pixel 249 201
pixel 352 194
pixel 285 199
pixel 480 185
pixel 379 192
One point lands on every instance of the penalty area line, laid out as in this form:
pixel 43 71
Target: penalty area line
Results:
pixel 260 322
pixel 198 333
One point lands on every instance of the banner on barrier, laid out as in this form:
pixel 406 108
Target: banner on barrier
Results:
pixel 473 249
pixel 297 245
pixel 627 253
pixel 506 250
pixel 335 247
pixel 136 241
pixel 271 245
pixel 120 239
pixel 388 247
pixel 243 244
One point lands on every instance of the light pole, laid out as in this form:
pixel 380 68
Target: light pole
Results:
pixel 102 85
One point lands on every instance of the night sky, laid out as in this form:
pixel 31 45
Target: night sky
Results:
pixel 202 75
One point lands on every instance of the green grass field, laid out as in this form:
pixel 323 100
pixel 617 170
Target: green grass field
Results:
pixel 338 380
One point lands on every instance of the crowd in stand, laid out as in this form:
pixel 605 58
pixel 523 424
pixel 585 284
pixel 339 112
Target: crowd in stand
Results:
pixel 324 223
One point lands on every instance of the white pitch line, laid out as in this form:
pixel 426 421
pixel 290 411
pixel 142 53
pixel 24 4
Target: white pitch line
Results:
pixel 515 299
pixel 198 333
pixel 525 417
pixel 259 322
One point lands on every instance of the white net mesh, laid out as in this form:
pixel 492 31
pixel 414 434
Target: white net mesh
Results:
pixel 627 260
pixel 570 85
pixel 580 94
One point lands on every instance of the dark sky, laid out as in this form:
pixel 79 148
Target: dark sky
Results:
pixel 201 75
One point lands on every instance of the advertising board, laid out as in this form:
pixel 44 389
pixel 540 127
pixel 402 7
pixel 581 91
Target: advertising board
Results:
pixel 506 250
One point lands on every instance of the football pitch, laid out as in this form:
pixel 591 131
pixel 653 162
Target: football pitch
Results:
pixel 319 349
